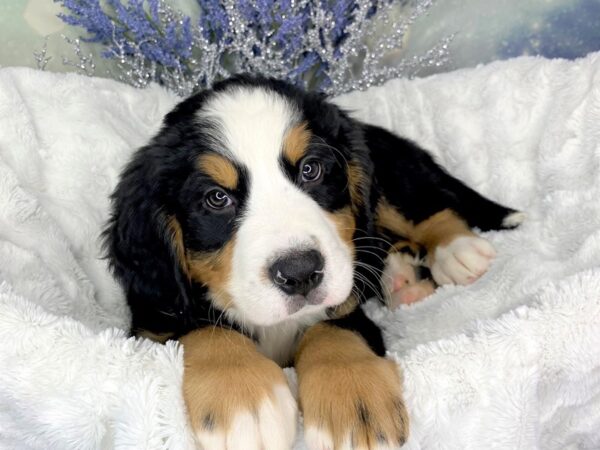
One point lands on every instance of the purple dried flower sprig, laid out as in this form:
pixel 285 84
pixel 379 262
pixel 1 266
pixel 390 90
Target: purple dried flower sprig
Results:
pixel 167 44
pixel 321 44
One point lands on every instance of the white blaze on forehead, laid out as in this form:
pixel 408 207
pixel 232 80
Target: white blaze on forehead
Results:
pixel 252 123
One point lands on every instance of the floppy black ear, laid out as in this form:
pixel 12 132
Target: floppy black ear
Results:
pixel 144 245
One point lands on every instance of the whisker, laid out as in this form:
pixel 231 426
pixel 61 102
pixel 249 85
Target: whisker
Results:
pixel 371 253
pixel 376 238
pixel 223 311
pixel 329 146
pixel 370 285
pixel 381 276
pixel 376 247
pixel 357 294
pixel 375 270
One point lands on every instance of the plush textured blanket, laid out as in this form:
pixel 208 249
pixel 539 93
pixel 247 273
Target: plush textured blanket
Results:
pixel 510 362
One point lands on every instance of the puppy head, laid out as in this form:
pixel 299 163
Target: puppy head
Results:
pixel 256 188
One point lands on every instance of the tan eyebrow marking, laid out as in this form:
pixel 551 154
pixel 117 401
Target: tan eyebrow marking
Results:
pixel 220 169
pixel 295 143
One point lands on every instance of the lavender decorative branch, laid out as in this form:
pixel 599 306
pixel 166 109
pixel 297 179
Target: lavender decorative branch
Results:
pixel 41 58
pixel 332 45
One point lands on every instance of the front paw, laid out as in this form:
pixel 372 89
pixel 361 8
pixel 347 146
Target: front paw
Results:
pixel 462 261
pixel 238 401
pixel 353 405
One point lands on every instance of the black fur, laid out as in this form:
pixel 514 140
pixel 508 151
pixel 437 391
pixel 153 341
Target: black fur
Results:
pixel 161 182
pixel 411 181
pixel 358 322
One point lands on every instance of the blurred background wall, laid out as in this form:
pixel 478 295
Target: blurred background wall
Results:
pixel 485 30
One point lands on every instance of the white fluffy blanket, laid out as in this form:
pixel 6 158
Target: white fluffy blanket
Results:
pixel 511 362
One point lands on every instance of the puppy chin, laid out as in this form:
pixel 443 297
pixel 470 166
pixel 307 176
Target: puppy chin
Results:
pixel 325 300
pixel 249 316
pixel 283 310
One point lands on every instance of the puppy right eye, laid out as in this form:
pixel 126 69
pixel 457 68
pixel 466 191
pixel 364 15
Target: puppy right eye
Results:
pixel 311 171
pixel 217 199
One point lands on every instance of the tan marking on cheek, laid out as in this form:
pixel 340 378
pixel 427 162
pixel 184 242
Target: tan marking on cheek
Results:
pixel 220 169
pixel 213 270
pixel 346 225
pixel 177 241
pixel 345 308
pixel 346 390
pixel 225 375
pixel 356 182
pixel 295 143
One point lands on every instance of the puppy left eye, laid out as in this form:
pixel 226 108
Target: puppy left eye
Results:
pixel 218 199
pixel 311 171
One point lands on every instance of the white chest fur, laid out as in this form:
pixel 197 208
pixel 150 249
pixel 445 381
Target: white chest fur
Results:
pixel 279 342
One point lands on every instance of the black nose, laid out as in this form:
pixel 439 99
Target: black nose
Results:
pixel 298 272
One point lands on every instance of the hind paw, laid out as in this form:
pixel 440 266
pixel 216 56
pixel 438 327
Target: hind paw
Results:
pixel 400 282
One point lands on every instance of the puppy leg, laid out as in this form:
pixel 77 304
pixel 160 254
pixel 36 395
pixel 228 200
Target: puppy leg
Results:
pixel 236 398
pixel 416 185
pixel 415 189
pixel 350 397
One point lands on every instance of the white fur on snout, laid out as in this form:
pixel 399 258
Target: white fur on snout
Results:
pixel 462 261
pixel 271 427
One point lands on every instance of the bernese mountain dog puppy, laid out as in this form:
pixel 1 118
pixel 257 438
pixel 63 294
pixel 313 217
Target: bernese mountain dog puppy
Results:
pixel 252 227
